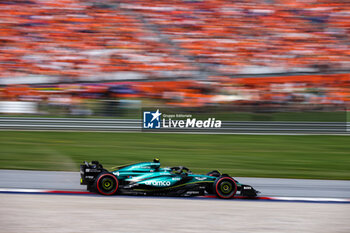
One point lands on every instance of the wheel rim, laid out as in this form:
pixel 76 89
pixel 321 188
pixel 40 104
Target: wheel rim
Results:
pixel 107 184
pixel 226 187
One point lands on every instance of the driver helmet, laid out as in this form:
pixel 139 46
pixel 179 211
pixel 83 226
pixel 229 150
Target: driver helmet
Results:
pixel 156 160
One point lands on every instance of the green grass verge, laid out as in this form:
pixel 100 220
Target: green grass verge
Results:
pixel 322 157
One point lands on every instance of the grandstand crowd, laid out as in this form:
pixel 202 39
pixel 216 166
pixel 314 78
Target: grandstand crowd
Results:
pixel 82 38
pixel 210 40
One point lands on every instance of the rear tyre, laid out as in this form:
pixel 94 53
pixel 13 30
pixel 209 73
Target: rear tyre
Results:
pixel 106 184
pixel 225 187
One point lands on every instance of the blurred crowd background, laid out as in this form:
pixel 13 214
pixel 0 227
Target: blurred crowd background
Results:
pixel 90 57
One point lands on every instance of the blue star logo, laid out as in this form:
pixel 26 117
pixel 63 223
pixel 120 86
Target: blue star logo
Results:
pixel 151 120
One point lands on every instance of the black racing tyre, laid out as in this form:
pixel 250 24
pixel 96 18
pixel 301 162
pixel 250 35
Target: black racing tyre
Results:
pixel 106 184
pixel 225 187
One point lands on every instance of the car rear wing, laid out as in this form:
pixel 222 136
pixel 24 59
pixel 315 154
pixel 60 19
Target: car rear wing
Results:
pixel 89 172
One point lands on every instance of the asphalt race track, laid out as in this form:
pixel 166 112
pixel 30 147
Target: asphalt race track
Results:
pixel 62 213
pixel 76 211
pixel 271 187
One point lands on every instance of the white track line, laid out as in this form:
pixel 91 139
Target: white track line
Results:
pixel 317 199
pixel 297 199
pixel 23 190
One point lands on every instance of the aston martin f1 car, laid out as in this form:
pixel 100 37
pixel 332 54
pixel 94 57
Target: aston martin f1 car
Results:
pixel 148 178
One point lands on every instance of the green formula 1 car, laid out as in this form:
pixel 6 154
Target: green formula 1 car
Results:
pixel 148 178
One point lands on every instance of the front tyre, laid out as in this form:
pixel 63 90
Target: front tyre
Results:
pixel 225 187
pixel 106 184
